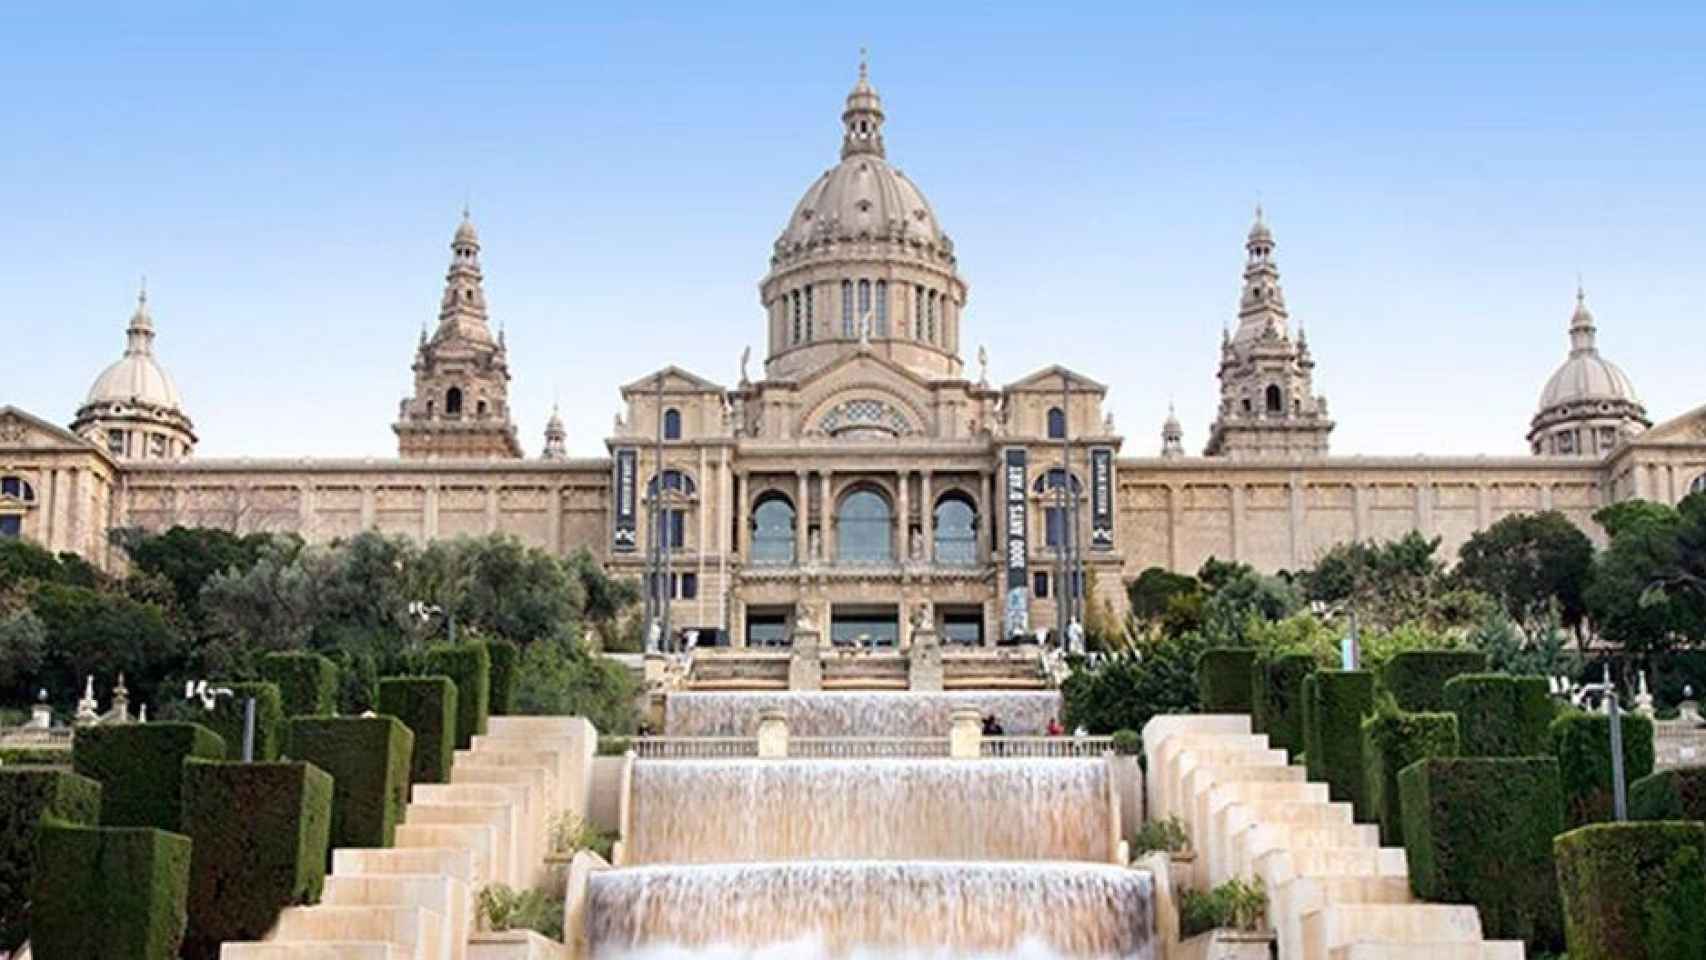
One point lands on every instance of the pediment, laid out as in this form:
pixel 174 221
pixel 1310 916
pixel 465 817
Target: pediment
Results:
pixel 1688 429
pixel 864 395
pixel 675 380
pixel 1048 380
pixel 20 430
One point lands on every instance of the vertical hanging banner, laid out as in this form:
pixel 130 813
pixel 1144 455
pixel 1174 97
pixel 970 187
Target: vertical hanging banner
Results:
pixel 625 536
pixel 1101 499
pixel 1018 611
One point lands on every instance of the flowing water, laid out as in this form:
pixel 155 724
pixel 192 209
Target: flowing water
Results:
pixel 855 714
pixel 871 910
pixel 733 811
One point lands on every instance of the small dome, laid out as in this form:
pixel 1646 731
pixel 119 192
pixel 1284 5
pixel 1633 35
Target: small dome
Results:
pixel 465 232
pixel 1585 377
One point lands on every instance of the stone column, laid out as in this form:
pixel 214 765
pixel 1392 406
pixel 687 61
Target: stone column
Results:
pixel 743 503
pixel 904 509
pixel 965 737
pixel 927 516
pixel 924 660
pixel 825 517
pixel 800 523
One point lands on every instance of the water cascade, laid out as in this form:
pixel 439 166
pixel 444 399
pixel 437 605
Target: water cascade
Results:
pixel 855 714
pixel 728 811
pixel 869 910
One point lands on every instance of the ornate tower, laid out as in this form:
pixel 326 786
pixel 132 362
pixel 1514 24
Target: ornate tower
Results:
pixel 1268 405
pixel 556 438
pixel 1589 406
pixel 133 411
pixel 1172 435
pixel 460 407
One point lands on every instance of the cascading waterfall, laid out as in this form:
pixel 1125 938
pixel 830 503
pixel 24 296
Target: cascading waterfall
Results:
pixel 854 714
pixel 729 811
pixel 869 910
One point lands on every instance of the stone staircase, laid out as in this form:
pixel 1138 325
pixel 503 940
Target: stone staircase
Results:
pixel 1333 892
pixel 489 824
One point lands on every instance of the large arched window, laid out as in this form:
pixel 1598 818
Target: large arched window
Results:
pixel 956 531
pixel 17 488
pixel 1276 400
pixel 674 517
pixel 672 424
pixel 1054 512
pixel 848 329
pixel 673 480
pixel 882 309
pixel 1056 423
pixel 864 306
pixel 453 401
pixel 773 531
pixel 1699 484
pixel 864 532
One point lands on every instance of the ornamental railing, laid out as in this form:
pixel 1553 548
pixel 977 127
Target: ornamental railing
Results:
pixel 853 748
pixel 18 737
pixel 692 748
pixel 1047 747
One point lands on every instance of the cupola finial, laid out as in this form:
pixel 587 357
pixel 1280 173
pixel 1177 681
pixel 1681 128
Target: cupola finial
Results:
pixel 862 121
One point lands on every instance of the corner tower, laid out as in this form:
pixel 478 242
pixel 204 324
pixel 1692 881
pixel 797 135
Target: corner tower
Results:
pixel 1589 405
pixel 133 410
pixel 1268 405
pixel 863 264
pixel 460 407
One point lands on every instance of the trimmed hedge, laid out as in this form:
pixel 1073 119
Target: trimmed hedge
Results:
pixel 1499 715
pixel 1678 794
pixel 1224 679
pixel 36 756
pixel 1391 742
pixel 139 766
pixel 30 796
pixel 368 758
pixel 1276 699
pixel 308 682
pixel 427 706
pixel 1633 891
pixel 226 719
pixel 116 894
pixel 1582 744
pixel 260 832
pixel 1417 678
pixel 470 668
pixel 1334 703
pixel 1479 830
pixel 504 656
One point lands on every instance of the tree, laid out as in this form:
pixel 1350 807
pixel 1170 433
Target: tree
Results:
pixel 21 560
pixel 1385 583
pixel 1124 691
pixel 188 557
pixel 1530 563
pixel 1154 589
pixel 516 592
pixel 91 632
pixel 1243 600
pixel 559 676
pixel 1647 592
pixel 606 598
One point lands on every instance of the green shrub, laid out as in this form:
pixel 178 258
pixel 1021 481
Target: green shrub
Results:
pixel 1236 904
pixel 308 682
pixel 1276 701
pixel 427 706
pixel 504 657
pixel 1626 888
pixel 1391 742
pixel 1678 794
pixel 28 797
pixel 1127 743
pixel 498 907
pixel 35 756
pixel 612 746
pixel 226 719
pixel 1334 703
pixel 569 833
pixel 139 766
pixel 369 759
pixel 115 894
pixel 470 668
pixel 260 832
pixel 1499 715
pixel 1479 830
pixel 1168 835
pixel 1582 744
pixel 1416 678
pixel 1224 679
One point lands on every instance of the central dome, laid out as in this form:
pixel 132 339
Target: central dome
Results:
pixel 862 198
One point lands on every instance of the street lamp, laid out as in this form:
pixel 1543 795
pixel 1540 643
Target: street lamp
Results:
pixel 209 697
pixel 1608 690
pixel 1350 648
pixel 424 612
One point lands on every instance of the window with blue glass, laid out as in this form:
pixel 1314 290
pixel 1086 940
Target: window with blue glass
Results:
pixel 773 532
pixel 17 488
pixel 956 531
pixel 882 308
pixel 1056 423
pixel 672 424
pixel 673 480
pixel 11 525
pixel 848 327
pixel 864 529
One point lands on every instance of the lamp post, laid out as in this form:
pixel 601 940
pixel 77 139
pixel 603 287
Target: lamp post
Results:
pixel 424 612
pixel 1619 789
pixel 209 697
pixel 1350 648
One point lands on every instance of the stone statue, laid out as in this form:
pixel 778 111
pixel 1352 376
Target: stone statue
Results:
pixel 982 366
pixel 917 546
pixel 923 618
pixel 1075 636
pixel 865 331
pixel 815 544
pixel 803 622
pixel 745 357
pixel 654 634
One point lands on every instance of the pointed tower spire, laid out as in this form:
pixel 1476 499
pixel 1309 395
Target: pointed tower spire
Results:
pixel 1172 434
pixel 463 309
pixel 556 438
pixel 139 335
pixel 1583 331
pixel 862 121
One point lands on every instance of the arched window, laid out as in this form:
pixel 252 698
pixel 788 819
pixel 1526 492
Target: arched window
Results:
pixel 672 424
pixel 794 298
pixel 807 294
pixel 1699 484
pixel 1056 423
pixel 674 517
pixel 480 408
pixel 882 309
pixel 17 488
pixel 673 480
pixel 453 401
pixel 1054 479
pixel 773 531
pixel 930 317
pixel 956 531
pixel 848 329
pixel 1276 401
pixel 863 531
pixel 864 306
pixel 918 312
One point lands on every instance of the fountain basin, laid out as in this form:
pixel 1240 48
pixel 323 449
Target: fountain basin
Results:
pixel 854 714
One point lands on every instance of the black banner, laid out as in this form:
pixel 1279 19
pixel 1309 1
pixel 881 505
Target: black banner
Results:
pixel 1101 499
pixel 1018 546
pixel 627 526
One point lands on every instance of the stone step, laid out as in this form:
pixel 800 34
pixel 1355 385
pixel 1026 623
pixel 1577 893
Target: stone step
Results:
pixel 1277 865
pixel 1485 950
pixel 418 932
pixel 1242 850
pixel 537 778
pixel 448 897
pixel 554 755
pixel 478 840
pixel 502 818
pixel 555 728
pixel 456 862
pixel 1338 925
pixel 525 800
pixel 321 950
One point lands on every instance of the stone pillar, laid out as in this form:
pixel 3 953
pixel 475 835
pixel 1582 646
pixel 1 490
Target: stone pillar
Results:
pixel 805 667
pixel 904 508
pixel 965 736
pixel 803 498
pixel 924 660
pixel 772 733
pixel 743 503
pixel 825 517
pixel 927 516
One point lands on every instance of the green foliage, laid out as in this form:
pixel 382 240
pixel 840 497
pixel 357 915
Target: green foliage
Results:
pixel 226 719
pixel 470 668
pixel 1678 794
pixel 500 908
pixel 1479 830
pixel 503 588
pixel 1648 588
pixel 1236 904
pixel 1125 690
pixel 427 706
pixel 1416 678
pixel 1223 679
pixel 139 766
pixel 369 760
pixel 1627 892
pixel 1533 564
pixel 1582 744
pixel 116 894
pixel 1127 743
pixel 102 633
pixel 560 677
pixel 23 649
pixel 1154 589
pixel 35 756
pixel 606 599
pixel 1168 835
pixel 187 558
pixel 503 656
pixel 1244 600
pixel 1500 715
pixel 1391 742
pixel 308 682
pixel 612 746
pixel 28 798
pixel 1382 645
pixel 1300 633
pixel 569 833
pixel 22 560
pixel 1540 651
pixel 1334 703
pixel 1277 698
pixel 1386 583
pixel 260 832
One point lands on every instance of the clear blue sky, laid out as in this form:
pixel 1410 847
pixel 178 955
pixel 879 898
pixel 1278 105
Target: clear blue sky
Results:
pixel 288 176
